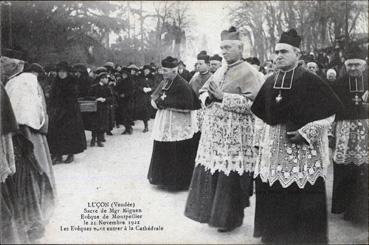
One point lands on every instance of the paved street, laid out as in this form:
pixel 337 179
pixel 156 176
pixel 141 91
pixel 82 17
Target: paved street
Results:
pixel 118 172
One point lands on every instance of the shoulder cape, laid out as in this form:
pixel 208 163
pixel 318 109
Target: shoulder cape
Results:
pixel 179 95
pixel 350 111
pixel 309 99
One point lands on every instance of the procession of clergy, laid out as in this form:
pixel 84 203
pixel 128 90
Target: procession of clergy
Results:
pixel 227 134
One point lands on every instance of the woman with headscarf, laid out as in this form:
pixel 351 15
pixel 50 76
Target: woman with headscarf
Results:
pixel 66 134
pixel 33 184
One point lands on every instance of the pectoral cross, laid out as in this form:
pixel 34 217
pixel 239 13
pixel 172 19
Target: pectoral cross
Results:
pixel 279 97
pixel 163 96
pixel 356 99
pixel 356 87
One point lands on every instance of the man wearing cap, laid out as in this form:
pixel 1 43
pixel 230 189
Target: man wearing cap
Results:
pixel 183 72
pixel 172 159
pixel 221 181
pixel 125 98
pixel 215 63
pixel 297 108
pixel 134 76
pixel 100 119
pixel 110 69
pixel 350 156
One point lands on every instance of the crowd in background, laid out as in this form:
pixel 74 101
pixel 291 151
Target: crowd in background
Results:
pixel 79 99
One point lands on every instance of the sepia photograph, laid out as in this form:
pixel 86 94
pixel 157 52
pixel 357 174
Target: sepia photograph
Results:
pixel 184 122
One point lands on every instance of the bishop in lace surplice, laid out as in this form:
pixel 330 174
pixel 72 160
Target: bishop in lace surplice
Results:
pixel 222 180
pixel 350 134
pixel 297 108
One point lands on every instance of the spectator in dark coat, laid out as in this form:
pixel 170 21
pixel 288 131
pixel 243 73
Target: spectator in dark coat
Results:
pixel 112 82
pixel 49 79
pixel 143 88
pixel 83 79
pixel 99 120
pixel 183 72
pixel 125 99
pixel 66 134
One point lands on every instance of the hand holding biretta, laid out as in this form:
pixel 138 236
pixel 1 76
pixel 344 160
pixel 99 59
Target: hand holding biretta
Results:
pixel 230 34
pixel 290 37
pixel 169 62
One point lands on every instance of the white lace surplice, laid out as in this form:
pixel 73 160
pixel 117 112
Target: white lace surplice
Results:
pixel 280 160
pixel 174 125
pixel 351 142
pixel 226 136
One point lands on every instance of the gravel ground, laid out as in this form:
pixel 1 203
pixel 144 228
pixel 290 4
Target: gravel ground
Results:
pixel 117 173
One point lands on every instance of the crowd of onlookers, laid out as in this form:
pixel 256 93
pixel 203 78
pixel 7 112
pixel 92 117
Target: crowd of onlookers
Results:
pixel 327 65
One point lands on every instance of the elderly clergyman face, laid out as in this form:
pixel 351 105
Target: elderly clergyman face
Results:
pixel 355 67
pixel 231 50
pixel 287 56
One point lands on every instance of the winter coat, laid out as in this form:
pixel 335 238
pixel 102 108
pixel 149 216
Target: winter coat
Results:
pixel 66 132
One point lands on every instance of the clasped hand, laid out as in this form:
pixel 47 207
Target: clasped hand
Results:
pixel 215 92
pixel 295 137
pixel 101 99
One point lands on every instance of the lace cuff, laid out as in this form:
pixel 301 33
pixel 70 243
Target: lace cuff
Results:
pixel 203 96
pixel 258 132
pixel 313 130
pixel 236 103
